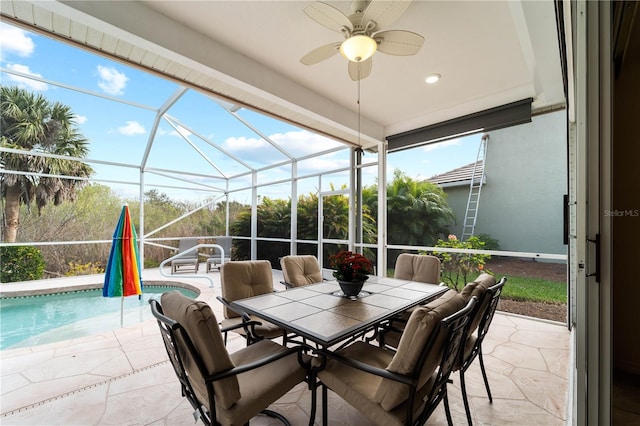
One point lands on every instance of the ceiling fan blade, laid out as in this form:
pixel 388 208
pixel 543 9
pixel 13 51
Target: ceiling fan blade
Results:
pixel 399 42
pixel 321 53
pixel 360 70
pixel 328 16
pixel 384 12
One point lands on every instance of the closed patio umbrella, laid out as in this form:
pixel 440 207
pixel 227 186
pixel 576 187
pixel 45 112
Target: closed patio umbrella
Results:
pixel 122 277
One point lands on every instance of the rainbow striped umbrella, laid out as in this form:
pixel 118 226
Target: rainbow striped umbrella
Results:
pixel 122 277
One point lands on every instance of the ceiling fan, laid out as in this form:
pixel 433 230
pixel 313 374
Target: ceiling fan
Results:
pixel 362 33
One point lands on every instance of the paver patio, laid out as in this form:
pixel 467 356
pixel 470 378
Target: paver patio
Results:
pixel 124 377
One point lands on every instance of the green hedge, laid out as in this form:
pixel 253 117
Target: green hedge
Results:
pixel 20 263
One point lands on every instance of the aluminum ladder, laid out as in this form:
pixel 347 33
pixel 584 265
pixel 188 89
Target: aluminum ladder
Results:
pixel 475 189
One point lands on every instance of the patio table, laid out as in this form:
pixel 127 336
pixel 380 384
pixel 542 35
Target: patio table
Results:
pixel 319 312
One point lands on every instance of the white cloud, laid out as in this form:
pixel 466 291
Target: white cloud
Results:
pixel 295 141
pixel 164 132
pixel 81 119
pixel 132 128
pixel 241 143
pixel 302 142
pixel 172 132
pixel 26 83
pixel 16 41
pixel 112 81
pixel 298 143
pixel 321 164
pixel 253 150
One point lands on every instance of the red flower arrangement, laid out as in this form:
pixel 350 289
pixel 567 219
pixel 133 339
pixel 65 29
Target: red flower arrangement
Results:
pixel 350 266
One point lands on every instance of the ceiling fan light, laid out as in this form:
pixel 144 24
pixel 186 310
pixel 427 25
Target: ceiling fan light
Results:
pixel 358 48
pixel 432 78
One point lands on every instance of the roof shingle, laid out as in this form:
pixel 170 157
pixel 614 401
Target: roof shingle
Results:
pixel 461 174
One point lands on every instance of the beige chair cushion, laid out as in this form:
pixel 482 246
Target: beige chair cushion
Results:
pixel 301 270
pixel 478 288
pixel 201 325
pixel 357 387
pixel 392 337
pixel 416 267
pixel 244 279
pixel 468 347
pixel 262 386
pixel 422 323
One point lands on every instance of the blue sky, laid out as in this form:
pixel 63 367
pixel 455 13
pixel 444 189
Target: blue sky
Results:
pixel 119 132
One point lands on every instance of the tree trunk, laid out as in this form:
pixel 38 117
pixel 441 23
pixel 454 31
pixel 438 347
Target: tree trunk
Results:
pixel 12 213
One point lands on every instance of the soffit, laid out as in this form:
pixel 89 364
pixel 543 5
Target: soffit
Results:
pixel 489 53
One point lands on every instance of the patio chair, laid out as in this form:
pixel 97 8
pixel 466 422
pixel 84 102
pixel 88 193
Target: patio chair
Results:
pixel 417 267
pixel 488 294
pixel 188 261
pixel 413 267
pixel 300 270
pixel 215 260
pixel 403 387
pixel 390 333
pixel 240 280
pixel 224 388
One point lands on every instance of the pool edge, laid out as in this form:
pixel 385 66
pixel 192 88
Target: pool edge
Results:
pixel 80 287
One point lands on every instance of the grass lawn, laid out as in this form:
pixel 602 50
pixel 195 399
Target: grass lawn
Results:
pixel 530 289
pixel 535 289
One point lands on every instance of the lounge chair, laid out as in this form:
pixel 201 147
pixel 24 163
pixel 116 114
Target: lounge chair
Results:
pixel 215 260
pixel 190 260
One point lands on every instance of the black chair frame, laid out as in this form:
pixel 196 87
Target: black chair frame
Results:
pixel 248 325
pixel 455 327
pixel 492 294
pixel 394 324
pixel 169 329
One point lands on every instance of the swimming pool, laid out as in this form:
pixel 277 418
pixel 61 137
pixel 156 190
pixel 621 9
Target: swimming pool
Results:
pixel 39 319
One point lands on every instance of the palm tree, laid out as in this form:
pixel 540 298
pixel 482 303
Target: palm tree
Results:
pixel 418 213
pixel 29 122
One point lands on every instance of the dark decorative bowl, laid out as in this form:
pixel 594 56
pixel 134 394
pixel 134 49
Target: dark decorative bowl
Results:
pixel 351 288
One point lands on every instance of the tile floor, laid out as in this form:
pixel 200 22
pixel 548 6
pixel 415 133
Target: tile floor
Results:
pixel 123 377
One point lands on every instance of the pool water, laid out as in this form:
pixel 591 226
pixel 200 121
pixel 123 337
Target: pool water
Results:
pixel 35 320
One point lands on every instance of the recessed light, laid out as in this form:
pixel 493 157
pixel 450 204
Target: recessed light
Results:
pixel 432 78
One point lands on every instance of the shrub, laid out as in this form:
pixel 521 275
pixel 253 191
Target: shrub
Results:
pixel 489 242
pixel 459 268
pixel 152 263
pixel 20 263
pixel 89 268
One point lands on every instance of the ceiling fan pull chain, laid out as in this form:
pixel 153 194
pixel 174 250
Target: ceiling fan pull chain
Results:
pixel 359 65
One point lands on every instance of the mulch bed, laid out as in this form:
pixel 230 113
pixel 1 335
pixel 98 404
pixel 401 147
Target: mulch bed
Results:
pixel 549 311
pixel 509 267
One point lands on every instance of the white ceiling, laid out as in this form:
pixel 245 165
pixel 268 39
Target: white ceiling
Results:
pixel 489 53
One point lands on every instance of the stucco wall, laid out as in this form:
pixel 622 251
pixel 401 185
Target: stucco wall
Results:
pixel 457 197
pixel 526 177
